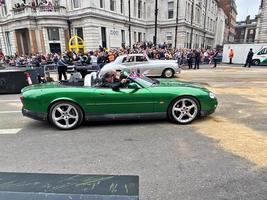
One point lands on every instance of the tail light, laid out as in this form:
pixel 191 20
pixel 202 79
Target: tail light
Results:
pixel 21 99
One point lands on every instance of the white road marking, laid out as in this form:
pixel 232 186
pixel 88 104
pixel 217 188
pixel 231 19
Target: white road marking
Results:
pixel 9 131
pixel 9 100
pixel 11 111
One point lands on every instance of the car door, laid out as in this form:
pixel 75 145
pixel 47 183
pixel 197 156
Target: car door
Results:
pixel 108 101
pixel 128 61
pixel 143 66
pixel 263 54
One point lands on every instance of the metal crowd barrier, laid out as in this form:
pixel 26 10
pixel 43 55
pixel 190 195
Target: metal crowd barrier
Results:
pixel 50 68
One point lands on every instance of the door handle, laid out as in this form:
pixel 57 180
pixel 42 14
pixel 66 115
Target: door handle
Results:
pixel 102 94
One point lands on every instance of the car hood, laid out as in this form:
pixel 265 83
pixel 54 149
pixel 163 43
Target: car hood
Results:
pixel 175 83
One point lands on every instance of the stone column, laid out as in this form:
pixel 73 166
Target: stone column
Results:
pixel 17 43
pixel 33 42
pixel 42 41
pixel 246 35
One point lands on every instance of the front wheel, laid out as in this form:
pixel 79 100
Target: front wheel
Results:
pixel 184 110
pixel 65 115
pixel 256 62
pixel 168 73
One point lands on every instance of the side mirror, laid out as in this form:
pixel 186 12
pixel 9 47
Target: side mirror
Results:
pixel 133 86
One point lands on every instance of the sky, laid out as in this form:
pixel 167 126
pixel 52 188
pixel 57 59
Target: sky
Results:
pixel 247 7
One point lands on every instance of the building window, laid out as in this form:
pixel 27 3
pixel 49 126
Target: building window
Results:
pixel 76 3
pixel 112 5
pixel 135 8
pixel 53 34
pixel 79 32
pixel 135 38
pixel 8 43
pixel 4 10
pixel 139 8
pixel 144 36
pixel 170 9
pixel 122 6
pixel 101 3
pixel 139 37
pixel 189 12
pixel 123 38
pixel 187 44
pixel 104 37
pixel 144 10
pixel 186 11
pixel 169 36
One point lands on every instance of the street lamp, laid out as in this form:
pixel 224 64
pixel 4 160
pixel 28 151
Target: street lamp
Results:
pixel 130 35
pixel 156 22
pixel 205 22
pixel 192 19
pixel 176 26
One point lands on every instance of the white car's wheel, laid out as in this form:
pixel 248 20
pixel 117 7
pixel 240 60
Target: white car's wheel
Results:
pixel 65 115
pixel 168 73
pixel 256 62
pixel 184 110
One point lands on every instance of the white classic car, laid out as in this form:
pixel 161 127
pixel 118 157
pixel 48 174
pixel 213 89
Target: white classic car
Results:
pixel 141 63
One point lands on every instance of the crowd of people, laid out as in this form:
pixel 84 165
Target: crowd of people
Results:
pixel 103 56
pixel 46 4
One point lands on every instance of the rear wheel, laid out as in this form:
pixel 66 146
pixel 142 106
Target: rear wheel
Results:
pixel 168 73
pixel 65 115
pixel 184 110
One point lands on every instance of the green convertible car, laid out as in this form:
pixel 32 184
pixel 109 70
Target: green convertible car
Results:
pixel 66 106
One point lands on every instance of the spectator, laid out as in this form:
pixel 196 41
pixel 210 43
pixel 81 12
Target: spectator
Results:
pixel 249 58
pixel 231 56
pixel 197 59
pixel 215 58
pixel 63 67
pixel 190 59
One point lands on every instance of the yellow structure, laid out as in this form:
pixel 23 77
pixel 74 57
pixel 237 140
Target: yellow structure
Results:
pixel 77 44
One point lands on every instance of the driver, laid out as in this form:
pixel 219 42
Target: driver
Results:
pixel 111 80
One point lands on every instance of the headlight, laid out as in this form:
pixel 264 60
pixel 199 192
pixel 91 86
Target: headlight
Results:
pixel 212 96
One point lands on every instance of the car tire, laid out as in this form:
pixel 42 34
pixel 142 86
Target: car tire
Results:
pixel 256 62
pixel 65 115
pixel 168 73
pixel 184 110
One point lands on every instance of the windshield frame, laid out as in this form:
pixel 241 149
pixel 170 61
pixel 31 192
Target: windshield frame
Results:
pixel 144 81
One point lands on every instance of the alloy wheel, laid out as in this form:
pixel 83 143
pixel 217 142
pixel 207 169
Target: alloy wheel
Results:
pixel 185 110
pixel 65 116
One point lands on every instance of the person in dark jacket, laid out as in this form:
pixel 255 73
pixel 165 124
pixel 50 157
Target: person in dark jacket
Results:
pixel 102 60
pixel 190 60
pixel 249 58
pixel 197 59
pixel 215 58
pixel 62 67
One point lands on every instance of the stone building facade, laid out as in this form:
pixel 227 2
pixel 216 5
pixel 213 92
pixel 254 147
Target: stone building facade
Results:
pixel 261 35
pixel 246 30
pixel 47 28
pixel 221 25
pixel 230 9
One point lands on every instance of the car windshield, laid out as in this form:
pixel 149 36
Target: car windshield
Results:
pixel 145 81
